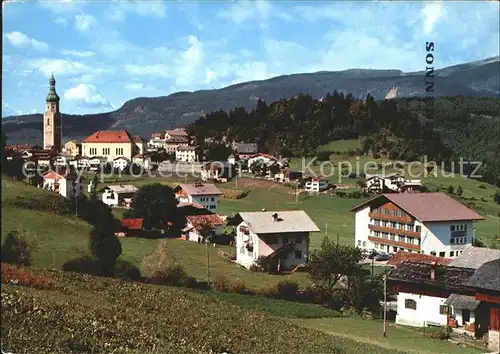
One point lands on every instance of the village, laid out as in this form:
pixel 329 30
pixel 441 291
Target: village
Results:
pixel 438 277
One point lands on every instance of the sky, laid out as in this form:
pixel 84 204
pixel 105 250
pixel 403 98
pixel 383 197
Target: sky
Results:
pixel 103 53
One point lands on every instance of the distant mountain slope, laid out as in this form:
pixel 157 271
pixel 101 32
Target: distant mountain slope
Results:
pixel 144 115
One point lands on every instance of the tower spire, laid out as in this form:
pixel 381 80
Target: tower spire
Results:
pixel 52 95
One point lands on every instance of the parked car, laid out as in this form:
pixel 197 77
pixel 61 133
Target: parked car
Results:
pixel 382 257
pixel 372 254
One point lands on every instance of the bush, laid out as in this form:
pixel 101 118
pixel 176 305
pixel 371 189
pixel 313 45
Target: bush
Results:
pixel 16 249
pixel 268 291
pixel 162 269
pixel 287 290
pixel 482 186
pixel 85 265
pixel 238 286
pixel 221 283
pixel 317 294
pixel 17 276
pixel 50 203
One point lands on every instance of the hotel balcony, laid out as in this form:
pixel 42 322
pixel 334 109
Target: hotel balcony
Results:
pixel 392 230
pixel 387 241
pixel 388 217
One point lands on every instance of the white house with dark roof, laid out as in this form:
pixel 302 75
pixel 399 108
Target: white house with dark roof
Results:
pixel 118 195
pixel 205 194
pixel 66 184
pixel 429 223
pixel 282 236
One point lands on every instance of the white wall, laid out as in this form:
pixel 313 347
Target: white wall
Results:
pixel 427 310
pixel 67 188
pixel 243 256
pixel 361 231
pixel 435 236
pixel 106 198
pixel 206 201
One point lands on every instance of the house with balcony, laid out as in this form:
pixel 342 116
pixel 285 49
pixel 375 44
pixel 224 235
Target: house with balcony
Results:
pixel 378 184
pixel 429 223
pixel 204 194
pixel 465 297
pixel 282 237
pixel 187 154
pixel 218 171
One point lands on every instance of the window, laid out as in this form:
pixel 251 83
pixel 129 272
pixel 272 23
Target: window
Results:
pixel 452 254
pixel 105 151
pixel 364 243
pixel 48 121
pixel 286 239
pixel 359 243
pixel 119 151
pixel 443 309
pixel 298 239
pixel 298 254
pixel 410 304
pixel 452 228
pixel 433 253
pixel 452 240
pixel 213 199
pixel 93 151
pixel 418 228
pixel 442 254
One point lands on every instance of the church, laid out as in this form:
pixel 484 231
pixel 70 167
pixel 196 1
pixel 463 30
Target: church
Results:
pixel 52 120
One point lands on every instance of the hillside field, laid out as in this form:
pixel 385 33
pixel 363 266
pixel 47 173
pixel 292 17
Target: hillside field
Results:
pixel 82 313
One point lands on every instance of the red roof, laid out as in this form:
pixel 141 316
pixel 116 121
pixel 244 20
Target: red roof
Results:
pixel 56 176
pixel 132 224
pixel 199 221
pixel 110 136
pixel 402 256
pixel 426 206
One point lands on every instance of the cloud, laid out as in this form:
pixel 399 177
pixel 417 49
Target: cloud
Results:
pixel 79 54
pixel 431 12
pixel 61 21
pixel 58 66
pixel 151 8
pixel 87 95
pixel 62 6
pixel 83 22
pixel 243 10
pixel 20 40
pixel 134 86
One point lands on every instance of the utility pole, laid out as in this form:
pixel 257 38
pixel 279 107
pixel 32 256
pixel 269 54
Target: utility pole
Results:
pixel 385 305
pixel 326 229
pixel 373 264
pixel 296 195
pixel 208 261
pixel 337 238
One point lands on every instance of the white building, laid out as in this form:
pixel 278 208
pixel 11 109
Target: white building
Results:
pixel 121 163
pixel 429 223
pixel 282 236
pixel 80 163
pixel 67 185
pixel 195 225
pixel 391 183
pixel 186 154
pixel 118 195
pixel 142 160
pixel 263 158
pixel 316 185
pixel 205 194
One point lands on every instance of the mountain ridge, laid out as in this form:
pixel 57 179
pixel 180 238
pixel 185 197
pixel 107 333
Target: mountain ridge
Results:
pixel 144 115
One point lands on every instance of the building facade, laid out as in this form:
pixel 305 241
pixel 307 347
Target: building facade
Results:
pixel 282 237
pixel 316 185
pixel 52 120
pixel 429 223
pixel 112 144
pixel 67 185
pixel 186 154
pixel 204 194
pixel 72 148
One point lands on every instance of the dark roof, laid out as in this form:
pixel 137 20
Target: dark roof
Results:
pixel 427 206
pixel 420 273
pixel 402 256
pixel 487 277
pixel 462 301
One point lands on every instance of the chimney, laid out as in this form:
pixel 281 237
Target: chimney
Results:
pixel 433 270
pixel 275 217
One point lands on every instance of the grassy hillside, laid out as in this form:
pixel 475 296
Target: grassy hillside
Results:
pixel 88 314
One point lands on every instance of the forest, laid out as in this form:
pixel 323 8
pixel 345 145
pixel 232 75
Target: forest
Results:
pixel 444 129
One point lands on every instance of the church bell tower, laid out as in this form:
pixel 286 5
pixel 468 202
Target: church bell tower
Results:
pixel 52 124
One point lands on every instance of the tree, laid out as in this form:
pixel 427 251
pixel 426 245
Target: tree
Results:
pixel 157 205
pixel 450 189
pixel 332 261
pixel 96 213
pixel 106 247
pixel 16 250
pixel 497 197
pixel 218 152
pixel 459 191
